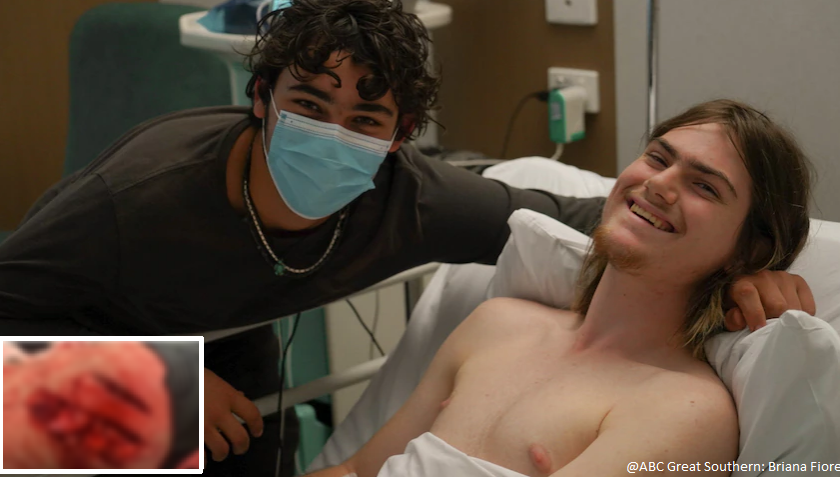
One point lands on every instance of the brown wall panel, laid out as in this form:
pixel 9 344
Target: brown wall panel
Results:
pixel 495 52
pixel 34 42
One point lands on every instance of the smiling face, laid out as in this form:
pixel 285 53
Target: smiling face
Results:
pixel 322 98
pixel 678 209
pixel 696 209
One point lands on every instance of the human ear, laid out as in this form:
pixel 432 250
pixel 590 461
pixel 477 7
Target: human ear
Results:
pixel 259 107
pixel 405 128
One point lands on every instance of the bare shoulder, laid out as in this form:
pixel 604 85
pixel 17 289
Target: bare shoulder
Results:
pixel 694 391
pixel 697 389
pixel 689 410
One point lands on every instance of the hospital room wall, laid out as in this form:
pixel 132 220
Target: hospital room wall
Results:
pixel 495 52
pixel 779 55
pixel 35 98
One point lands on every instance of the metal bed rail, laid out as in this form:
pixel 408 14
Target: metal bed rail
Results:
pixel 313 389
pixel 356 374
pixel 415 273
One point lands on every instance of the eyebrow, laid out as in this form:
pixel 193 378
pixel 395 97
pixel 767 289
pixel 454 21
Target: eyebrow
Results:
pixel 695 164
pixel 367 107
pixel 311 90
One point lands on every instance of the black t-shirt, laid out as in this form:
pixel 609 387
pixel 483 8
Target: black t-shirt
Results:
pixel 144 240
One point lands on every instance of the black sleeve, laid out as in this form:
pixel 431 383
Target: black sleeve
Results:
pixel 182 381
pixel 60 260
pixel 467 214
pixel 48 196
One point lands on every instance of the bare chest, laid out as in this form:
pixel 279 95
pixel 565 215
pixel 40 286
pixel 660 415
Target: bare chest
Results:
pixel 529 409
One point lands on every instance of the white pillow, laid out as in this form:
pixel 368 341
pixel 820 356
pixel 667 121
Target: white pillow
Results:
pixel 520 279
pixel 540 262
pixel 785 379
pixel 819 265
pixel 546 174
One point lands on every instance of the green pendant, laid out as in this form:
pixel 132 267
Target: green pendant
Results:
pixel 279 269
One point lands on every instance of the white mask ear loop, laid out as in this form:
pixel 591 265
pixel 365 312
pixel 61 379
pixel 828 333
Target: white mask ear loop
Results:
pixel 264 148
pixel 265 124
pixel 273 104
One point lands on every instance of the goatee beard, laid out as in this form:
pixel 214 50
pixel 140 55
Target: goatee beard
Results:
pixel 619 257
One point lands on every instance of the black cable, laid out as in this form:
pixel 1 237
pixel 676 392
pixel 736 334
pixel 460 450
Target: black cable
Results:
pixel 375 323
pixel 286 347
pixel 541 95
pixel 283 370
pixel 365 327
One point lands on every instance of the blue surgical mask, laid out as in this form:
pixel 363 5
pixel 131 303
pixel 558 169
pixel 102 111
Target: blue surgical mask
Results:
pixel 319 167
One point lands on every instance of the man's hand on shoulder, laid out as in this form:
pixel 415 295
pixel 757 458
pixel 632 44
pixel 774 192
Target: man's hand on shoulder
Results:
pixel 753 299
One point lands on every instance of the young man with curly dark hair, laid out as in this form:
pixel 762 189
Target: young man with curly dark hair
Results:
pixel 223 217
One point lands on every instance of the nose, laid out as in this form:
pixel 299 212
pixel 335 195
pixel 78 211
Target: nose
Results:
pixel 661 187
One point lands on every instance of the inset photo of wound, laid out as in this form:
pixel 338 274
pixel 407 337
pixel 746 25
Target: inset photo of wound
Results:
pixel 102 404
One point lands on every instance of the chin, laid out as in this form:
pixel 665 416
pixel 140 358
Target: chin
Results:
pixel 621 252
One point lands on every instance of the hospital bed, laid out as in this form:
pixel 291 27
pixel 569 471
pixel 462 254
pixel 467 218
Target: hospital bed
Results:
pixel 784 378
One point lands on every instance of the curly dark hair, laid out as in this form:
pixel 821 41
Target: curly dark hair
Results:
pixel 376 34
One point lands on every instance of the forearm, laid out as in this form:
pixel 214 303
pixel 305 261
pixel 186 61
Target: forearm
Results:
pixel 581 214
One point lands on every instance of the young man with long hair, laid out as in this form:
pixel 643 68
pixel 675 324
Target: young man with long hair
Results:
pixel 719 191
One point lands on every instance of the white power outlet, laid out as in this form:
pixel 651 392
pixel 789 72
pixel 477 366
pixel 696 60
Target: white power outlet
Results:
pixel 588 79
pixel 572 12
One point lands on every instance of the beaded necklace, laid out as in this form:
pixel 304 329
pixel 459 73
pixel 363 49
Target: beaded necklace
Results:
pixel 280 267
